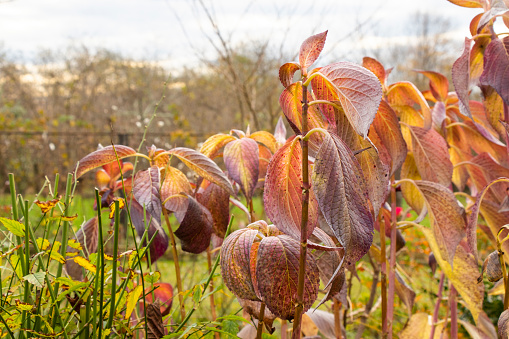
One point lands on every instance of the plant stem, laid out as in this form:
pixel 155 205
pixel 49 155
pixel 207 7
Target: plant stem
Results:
pixel 383 270
pixel 392 263
pixel 437 305
pixel 372 295
pixel 453 305
pixel 212 302
pixel 337 318
pixel 177 266
pixel 259 328
pixel 284 328
pixel 304 220
pixel 114 268
pixel 100 266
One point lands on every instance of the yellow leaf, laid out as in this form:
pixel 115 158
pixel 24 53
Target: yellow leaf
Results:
pixel 75 244
pixel 121 205
pixel 23 306
pixel 56 256
pixel 47 206
pixel 132 300
pixel 85 263
pixel 43 244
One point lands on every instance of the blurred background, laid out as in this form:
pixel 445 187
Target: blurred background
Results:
pixel 75 74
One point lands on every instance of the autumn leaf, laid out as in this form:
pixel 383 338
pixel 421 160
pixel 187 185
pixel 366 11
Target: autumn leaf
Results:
pixel 242 162
pixel 87 237
pixel 46 206
pixel 377 68
pixel 419 327
pixel 468 3
pixel 461 79
pixel 146 191
pixel 102 157
pixel 431 155
pixel 496 67
pixel 310 50
pixel 404 94
pixel 462 274
pixel 217 201
pixel 195 229
pixel 277 271
pixel 280 131
pixel 282 198
pixel 266 139
pixel 212 145
pixel 342 196
pixel 235 263
pixel 175 182
pixel 203 166
pixel 356 88
pixel 286 73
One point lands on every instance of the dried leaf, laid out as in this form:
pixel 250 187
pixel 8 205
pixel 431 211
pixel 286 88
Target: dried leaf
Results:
pixel 324 321
pixel 356 88
pixel 277 271
pixel 463 274
pixel 242 162
pixel 496 67
pixel 491 266
pixel 203 166
pixel 155 327
pixel 503 325
pixel 212 145
pixel 342 196
pixel 253 309
pixel 235 263
pixel 102 157
pixel 286 73
pixel 163 293
pixel 196 228
pixel 484 330
pixel 46 206
pixel 283 191
pixel 310 50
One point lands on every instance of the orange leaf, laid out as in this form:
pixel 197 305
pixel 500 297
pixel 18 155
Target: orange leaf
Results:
pixel 438 84
pixel 101 157
pixel 286 73
pixel 212 145
pixel 310 50
pixel 47 206
pixel 406 94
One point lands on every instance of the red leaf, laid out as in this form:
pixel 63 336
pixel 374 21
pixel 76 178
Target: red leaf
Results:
pixel 405 93
pixel 235 263
pixel 146 191
pixel 377 68
pixel 217 201
pixel 212 145
pixel 310 50
pixel 496 67
pixel 497 8
pixel 102 157
pixel 241 160
pixel 461 79
pixel 175 182
pixel 87 237
pixel 342 197
pixel 160 243
pixel 203 166
pixel 356 88
pixel 277 273
pixel 195 229
pixel 286 73
pixel 387 127
pixel 283 191
pixel 431 155
pixel 438 84
pixel 163 293
pixel 291 103
pixel 469 3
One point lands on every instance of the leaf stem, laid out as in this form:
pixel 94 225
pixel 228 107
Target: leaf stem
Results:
pixel 212 302
pixel 304 220
pixel 392 263
pixel 259 328
pixel 337 318
pixel 383 270
pixel 180 291
pixel 437 305
pixel 453 306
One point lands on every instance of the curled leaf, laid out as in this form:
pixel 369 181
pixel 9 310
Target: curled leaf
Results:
pixel 286 73
pixel 195 229
pixel 242 162
pixel 102 157
pixel 217 201
pixel 492 268
pixel 212 145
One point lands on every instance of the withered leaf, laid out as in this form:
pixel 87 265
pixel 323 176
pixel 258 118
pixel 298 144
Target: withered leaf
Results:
pixel 419 327
pixel 154 322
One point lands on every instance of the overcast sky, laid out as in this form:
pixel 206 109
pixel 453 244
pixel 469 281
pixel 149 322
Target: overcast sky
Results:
pixel 167 29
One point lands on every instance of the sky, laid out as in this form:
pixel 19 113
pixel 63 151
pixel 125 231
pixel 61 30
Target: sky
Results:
pixel 176 31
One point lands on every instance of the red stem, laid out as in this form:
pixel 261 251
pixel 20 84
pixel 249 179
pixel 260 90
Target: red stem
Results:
pixel 453 306
pixel 383 270
pixel 437 305
pixel 392 264
pixel 304 223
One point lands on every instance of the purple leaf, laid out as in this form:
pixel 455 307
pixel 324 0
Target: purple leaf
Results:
pixel 196 228
pixel 461 79
pixel 146 191
pixel 241 160
pixel 496 67
pixel 217 201
pixel 342 196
